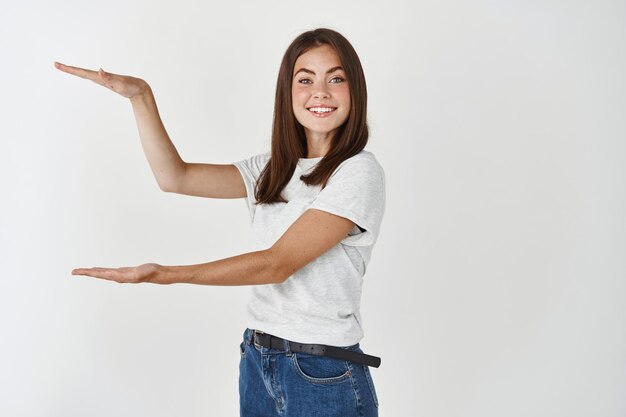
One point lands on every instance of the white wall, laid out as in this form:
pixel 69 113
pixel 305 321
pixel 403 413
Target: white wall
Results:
pixel 496 288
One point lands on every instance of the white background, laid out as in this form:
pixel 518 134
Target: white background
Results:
pixel 497 285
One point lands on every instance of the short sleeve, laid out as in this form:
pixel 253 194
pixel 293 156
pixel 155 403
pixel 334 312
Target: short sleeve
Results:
pixel 250 170
pixel 356 191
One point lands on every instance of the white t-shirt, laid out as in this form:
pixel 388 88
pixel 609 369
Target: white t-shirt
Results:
pixel 320 302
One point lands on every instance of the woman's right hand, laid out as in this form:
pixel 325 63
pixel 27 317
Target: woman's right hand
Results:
pixel 124 85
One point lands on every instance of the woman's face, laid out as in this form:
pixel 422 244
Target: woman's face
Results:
pixel 320 92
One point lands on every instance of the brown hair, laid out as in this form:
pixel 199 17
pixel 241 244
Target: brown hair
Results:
pixel 288 138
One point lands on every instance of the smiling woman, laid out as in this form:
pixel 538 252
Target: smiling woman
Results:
pixel 316 201
pixel 321 103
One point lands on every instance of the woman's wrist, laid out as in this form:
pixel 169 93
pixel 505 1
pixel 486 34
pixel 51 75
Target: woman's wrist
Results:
pixel 163 275
pixel 144 92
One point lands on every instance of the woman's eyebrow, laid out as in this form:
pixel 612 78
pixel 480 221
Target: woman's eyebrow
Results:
pixel 333 69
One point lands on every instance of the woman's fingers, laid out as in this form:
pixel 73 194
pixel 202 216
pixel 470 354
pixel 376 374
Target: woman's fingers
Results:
pixel 124 85
pixel 99 77
pixel 94 272
pixel 79 72
pixel 125 274
pixel 112 274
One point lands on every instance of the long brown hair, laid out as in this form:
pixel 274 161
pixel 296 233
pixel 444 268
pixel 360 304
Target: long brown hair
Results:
pixel 288 138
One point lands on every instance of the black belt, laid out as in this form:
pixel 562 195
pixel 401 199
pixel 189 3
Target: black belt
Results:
pixel 274 342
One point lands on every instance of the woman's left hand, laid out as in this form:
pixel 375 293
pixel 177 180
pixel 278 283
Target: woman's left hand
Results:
pixel 126 274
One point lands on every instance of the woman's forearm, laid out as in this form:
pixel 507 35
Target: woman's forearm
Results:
pixel 253 268
pixel 165 162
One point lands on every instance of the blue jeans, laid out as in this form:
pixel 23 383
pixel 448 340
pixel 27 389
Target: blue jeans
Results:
pixel 278 382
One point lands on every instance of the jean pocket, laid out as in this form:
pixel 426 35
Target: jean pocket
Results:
pixel 320 369
pixel 242 349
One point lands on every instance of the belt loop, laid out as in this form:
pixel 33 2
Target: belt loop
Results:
pixel 287 347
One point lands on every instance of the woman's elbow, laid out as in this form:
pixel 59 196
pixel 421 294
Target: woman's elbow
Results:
pixel 279 268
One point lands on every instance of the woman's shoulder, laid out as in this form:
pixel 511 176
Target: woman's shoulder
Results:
pixel 254 164
pixel 262 158
pixel 364 160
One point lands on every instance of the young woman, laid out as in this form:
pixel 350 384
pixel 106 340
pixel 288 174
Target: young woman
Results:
pixel 316 201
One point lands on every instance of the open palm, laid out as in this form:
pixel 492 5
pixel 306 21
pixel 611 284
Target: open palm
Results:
pixel 124 85
pixel 126 274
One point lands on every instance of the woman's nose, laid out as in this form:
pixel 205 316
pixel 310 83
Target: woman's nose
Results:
pixel 321 93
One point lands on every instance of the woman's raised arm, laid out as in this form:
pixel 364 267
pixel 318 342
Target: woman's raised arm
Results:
pixel 171 172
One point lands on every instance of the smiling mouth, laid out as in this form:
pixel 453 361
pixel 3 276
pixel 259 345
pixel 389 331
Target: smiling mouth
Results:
pixel 321 111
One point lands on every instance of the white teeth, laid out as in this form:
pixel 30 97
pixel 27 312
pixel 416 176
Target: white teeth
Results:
pixel 321 109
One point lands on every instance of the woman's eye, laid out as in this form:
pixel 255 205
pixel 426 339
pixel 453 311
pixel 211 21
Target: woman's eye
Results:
pixel 334 80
